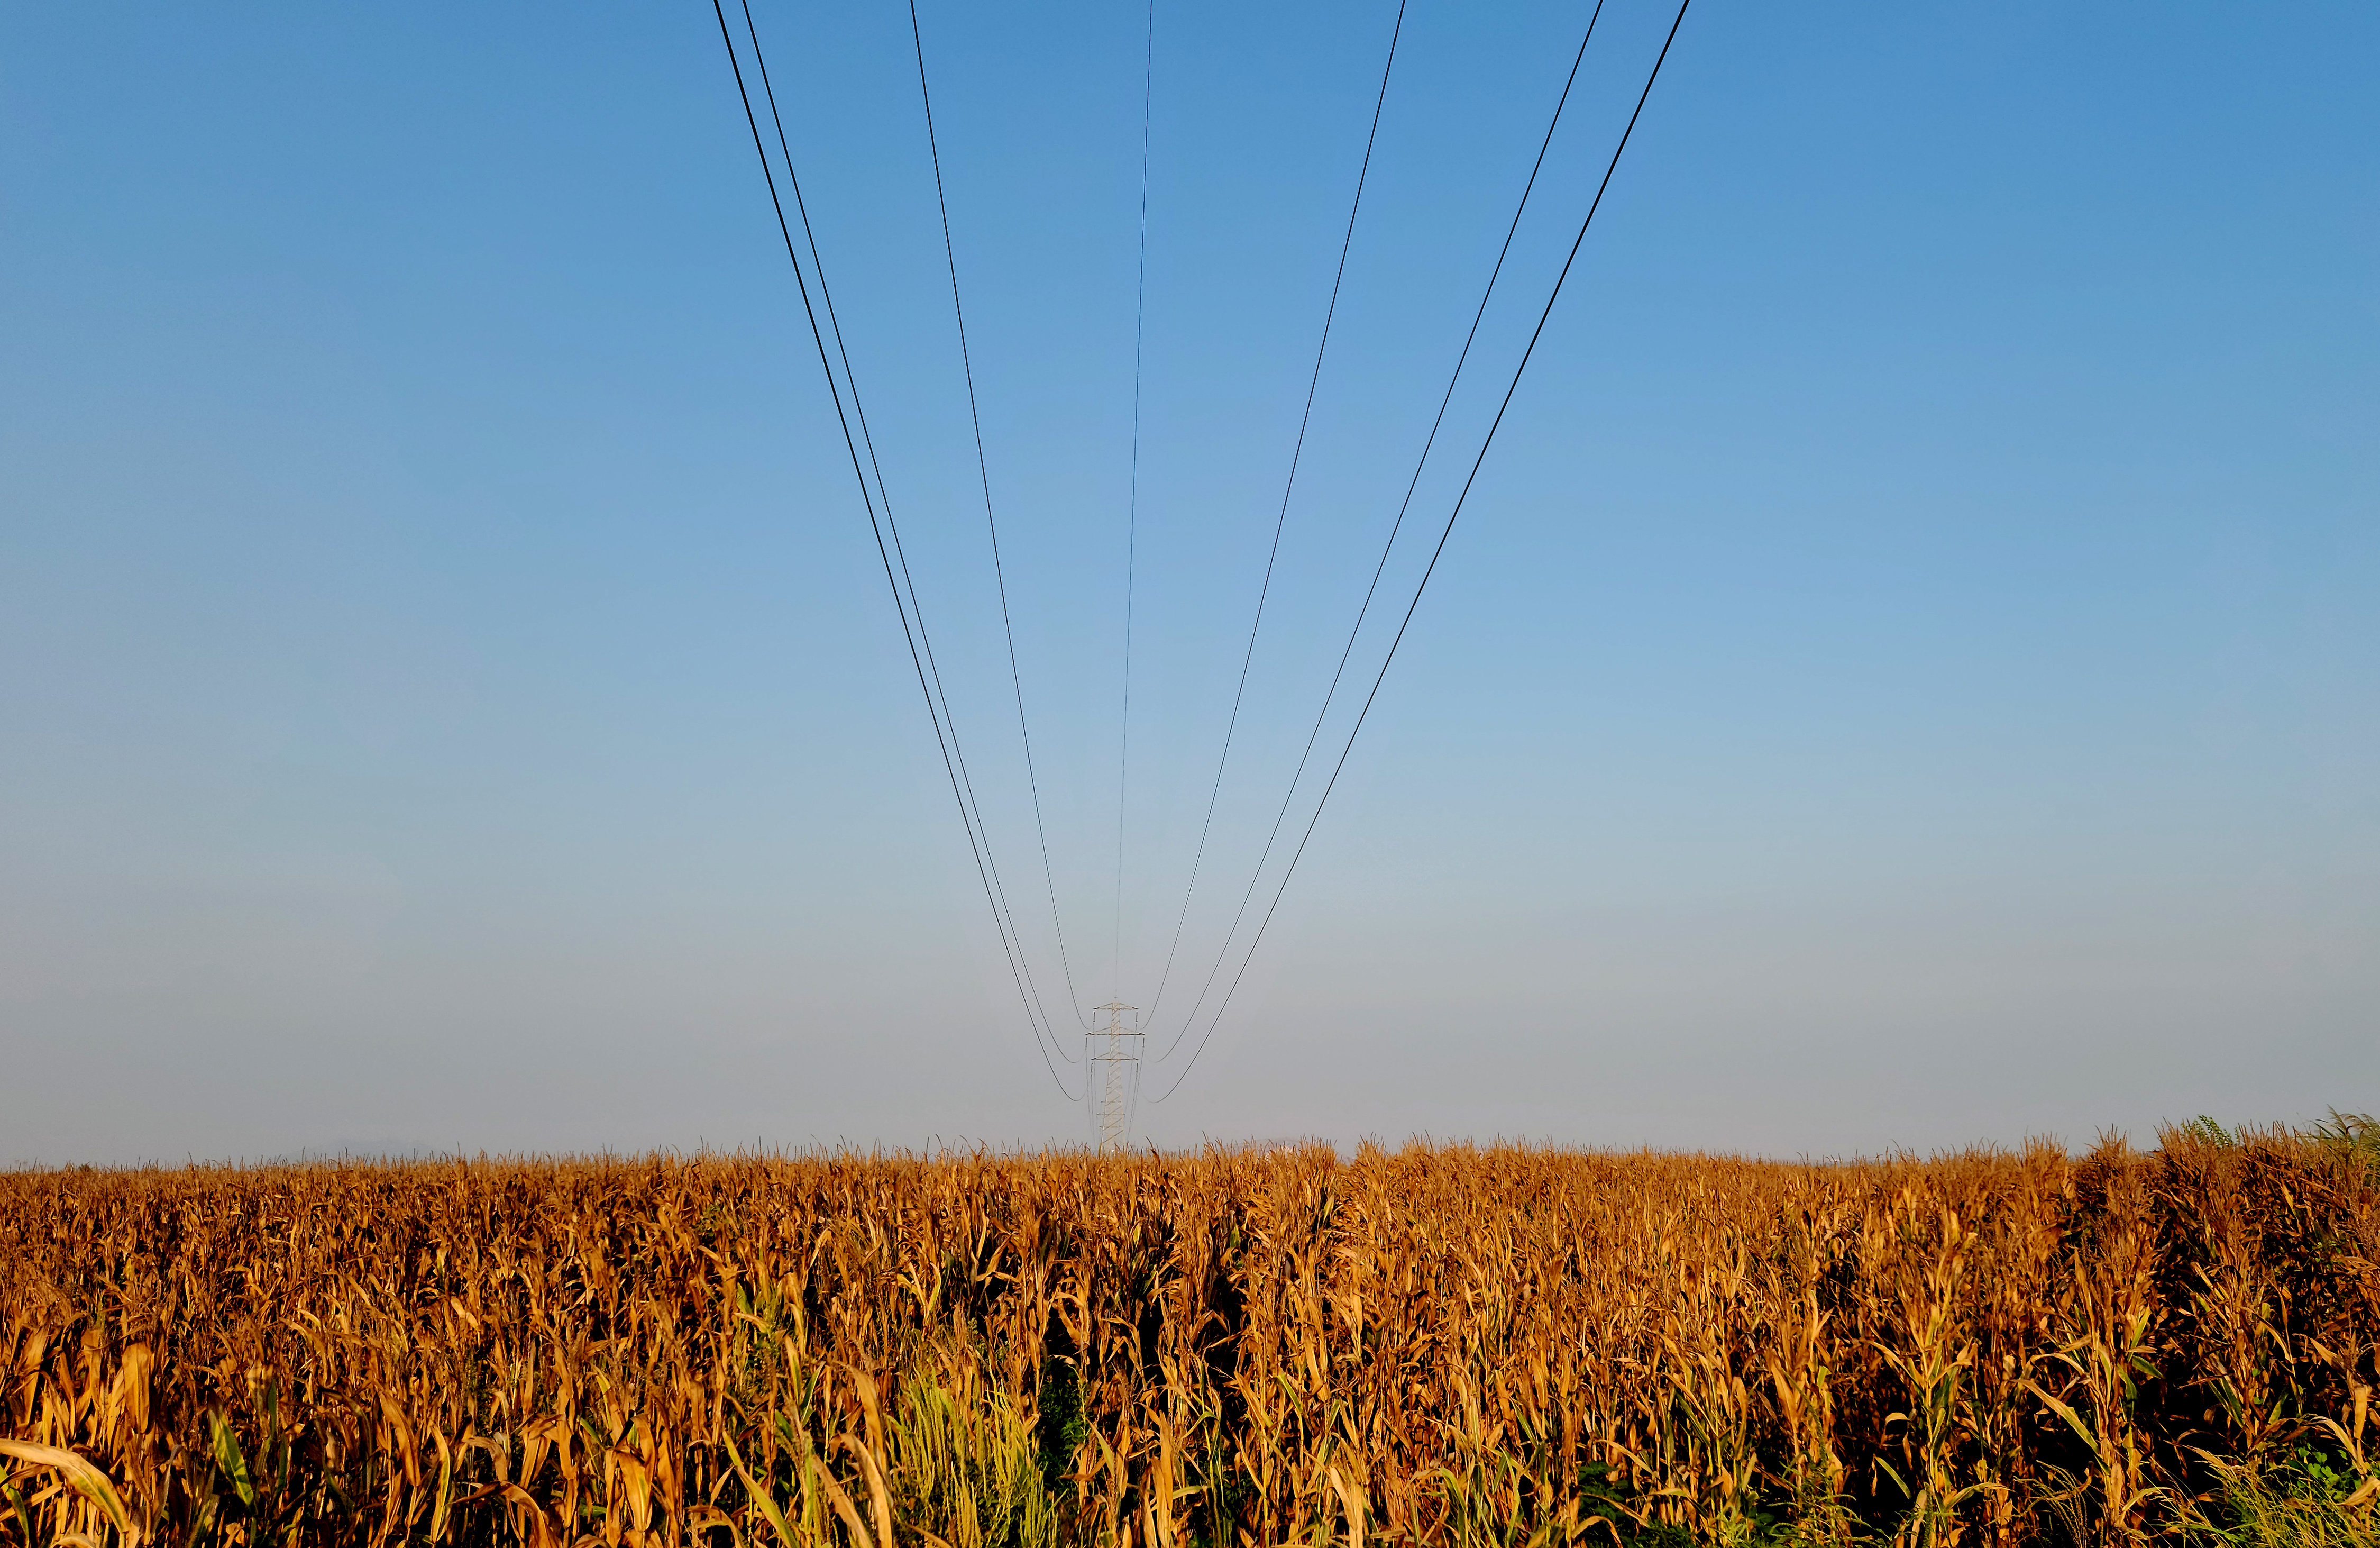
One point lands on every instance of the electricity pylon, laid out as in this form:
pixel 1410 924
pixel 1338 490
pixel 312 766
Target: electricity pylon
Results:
pixel 1114 1052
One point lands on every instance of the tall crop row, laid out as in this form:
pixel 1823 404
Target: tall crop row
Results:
pixel 1434 1344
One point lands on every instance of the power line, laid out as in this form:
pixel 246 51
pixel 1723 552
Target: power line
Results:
pixel 983 469
pixel 979 837
pixel 1266 589
pixel 860 411
pixel 1289 796
pixel 850 447
pixel 1437 553
pixel 1132 507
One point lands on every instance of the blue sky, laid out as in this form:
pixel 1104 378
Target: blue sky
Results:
pixel 1906 675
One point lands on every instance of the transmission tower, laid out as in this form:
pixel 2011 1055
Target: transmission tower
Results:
pixel 1115 1051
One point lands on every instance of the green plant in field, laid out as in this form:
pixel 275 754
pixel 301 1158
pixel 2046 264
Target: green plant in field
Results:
pixel 2353 1137
pixel 967 1464
pixel 1608 1499
pixel 1060 1426
pixel 1616 1512
pixel 2307 1501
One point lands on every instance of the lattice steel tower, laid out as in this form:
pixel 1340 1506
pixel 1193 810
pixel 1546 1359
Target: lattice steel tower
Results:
pixel 1114 1052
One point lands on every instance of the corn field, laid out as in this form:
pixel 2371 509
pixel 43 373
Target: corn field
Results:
pixel 1437 1344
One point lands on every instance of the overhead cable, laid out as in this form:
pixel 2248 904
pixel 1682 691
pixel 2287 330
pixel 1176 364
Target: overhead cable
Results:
pixel 983 469
pixel 1440 551
pixel 981 830
pixel 1132 505
pixel 875 526
pixel 1223 951
pixel 1313 380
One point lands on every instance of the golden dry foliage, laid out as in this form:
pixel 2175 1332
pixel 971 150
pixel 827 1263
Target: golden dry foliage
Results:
pixel 1442 1343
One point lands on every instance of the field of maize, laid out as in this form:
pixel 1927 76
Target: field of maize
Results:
pixel 1432 1345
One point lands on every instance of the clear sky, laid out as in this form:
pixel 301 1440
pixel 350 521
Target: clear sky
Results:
pixel 1906 675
